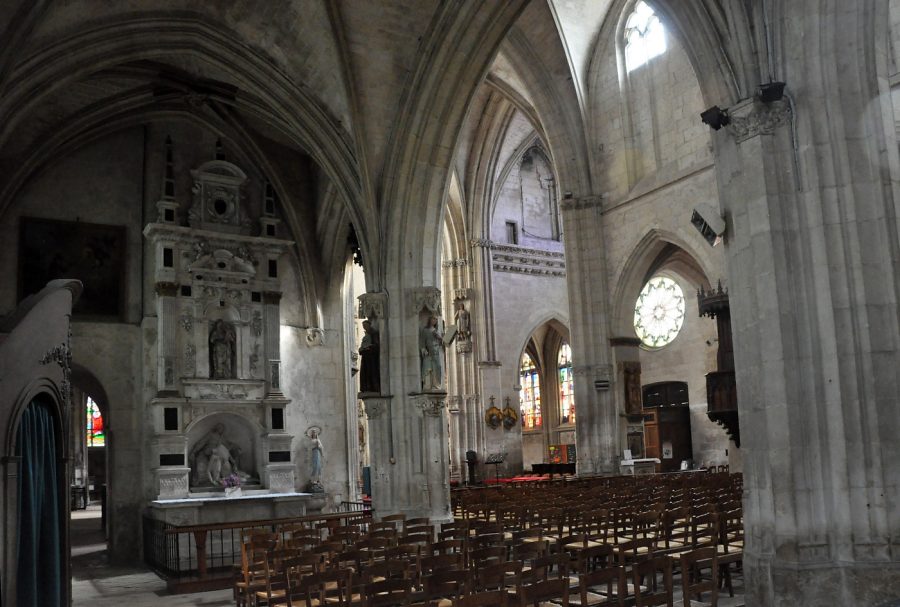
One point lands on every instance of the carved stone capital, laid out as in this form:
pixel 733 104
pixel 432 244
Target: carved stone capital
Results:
pixel 585 202
pixel 167 289
pixel 430 403
pixel 481 242
pixel 427 298
pixel 372 305
pixel 375 407
pixel 750 118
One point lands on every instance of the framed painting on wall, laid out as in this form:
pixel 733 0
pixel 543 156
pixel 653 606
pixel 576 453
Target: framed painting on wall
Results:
pixel 92 253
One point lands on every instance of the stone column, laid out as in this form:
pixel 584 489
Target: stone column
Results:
pixel 813 290
pixel 167 339
pixel 597 433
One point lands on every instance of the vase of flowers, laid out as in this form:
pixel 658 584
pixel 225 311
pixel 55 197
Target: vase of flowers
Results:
pixel 232 484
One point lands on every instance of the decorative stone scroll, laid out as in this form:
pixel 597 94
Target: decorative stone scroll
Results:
pixel 315 337
pixel 750 118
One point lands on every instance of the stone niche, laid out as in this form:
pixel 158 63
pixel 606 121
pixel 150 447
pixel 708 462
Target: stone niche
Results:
pixel 218 396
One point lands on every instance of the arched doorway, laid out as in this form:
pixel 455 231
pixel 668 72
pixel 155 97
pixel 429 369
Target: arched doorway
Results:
pixel 41 574
pixel 89 486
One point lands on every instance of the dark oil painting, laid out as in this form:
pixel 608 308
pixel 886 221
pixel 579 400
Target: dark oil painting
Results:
pixel 90 252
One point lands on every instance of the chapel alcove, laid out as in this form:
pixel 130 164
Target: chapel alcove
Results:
pixel 242 449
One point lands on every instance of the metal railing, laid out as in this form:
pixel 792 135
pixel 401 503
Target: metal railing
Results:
pixel 205 556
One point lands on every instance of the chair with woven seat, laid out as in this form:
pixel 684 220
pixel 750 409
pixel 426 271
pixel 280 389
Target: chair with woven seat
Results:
pixel 443 587
pixel 545 593
pixel 488 598
pixel 650 593
pixel 254 554
pixel 730 546
pixel 602 587
pixel 693 581
pixel 388 593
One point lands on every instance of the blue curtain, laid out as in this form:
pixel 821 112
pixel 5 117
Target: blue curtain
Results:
pixel 39 579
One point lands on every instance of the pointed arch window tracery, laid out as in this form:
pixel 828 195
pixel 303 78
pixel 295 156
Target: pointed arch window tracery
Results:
pixel 529 393
pixel 645 36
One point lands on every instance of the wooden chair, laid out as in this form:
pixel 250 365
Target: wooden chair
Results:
pixel 398 520
pixel 486 556
pixel 555 590
pixel 731 545
pixel 443 587
pixel 604 587
pixel 693 582
pixel 653 594
pixel 488 598
pixel 277 589
pixel 254 555
pixel 388 593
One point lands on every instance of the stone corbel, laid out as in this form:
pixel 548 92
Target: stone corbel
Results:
pixel 750 118
pixel 427 298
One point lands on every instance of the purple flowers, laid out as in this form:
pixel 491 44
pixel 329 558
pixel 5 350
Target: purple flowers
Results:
pixel 232 480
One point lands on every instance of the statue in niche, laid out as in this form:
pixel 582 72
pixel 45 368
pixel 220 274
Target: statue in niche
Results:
pixel 463 321
pixel 315 457
pixel 370 366
pixel 214 457
pixel 222 343
pixel 431 352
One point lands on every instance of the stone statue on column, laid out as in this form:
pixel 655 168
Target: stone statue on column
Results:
pixel 431 352
pixel 370 364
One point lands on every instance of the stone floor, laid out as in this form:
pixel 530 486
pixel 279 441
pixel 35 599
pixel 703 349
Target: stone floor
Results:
pixel 96 584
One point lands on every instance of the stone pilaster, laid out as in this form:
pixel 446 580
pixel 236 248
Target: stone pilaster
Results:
pixel 167 324
pixel 382 462
pixel 434 470
pixel 272 340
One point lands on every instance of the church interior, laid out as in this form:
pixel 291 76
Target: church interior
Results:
pixel 600 298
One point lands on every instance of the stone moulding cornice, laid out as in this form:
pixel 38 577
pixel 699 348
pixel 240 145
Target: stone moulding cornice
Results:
pixel 585 202
pixel 750 118
pixel 455 263
pixel 528 261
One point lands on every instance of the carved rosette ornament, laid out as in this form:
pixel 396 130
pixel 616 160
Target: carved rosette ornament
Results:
pixel 750 118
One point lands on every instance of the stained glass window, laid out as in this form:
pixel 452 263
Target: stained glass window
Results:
pixel 566 387
pixel 645 36
pixel 530 394
pixel 659 312
pixel 96 433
